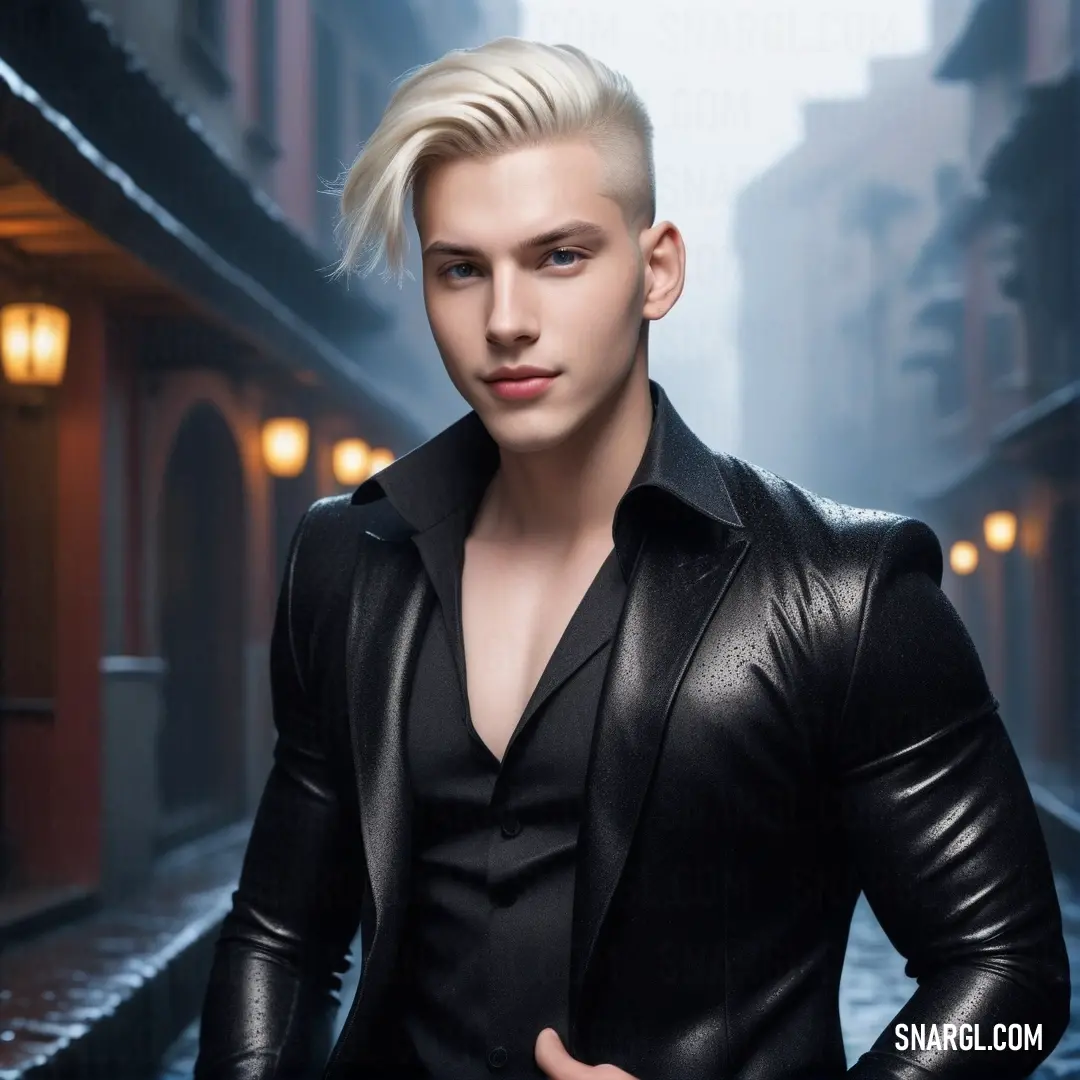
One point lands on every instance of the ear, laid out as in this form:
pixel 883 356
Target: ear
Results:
pixel 664 254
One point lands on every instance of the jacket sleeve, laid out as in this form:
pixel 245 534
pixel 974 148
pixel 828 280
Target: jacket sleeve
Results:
pixel 271 1000
pixel 944 834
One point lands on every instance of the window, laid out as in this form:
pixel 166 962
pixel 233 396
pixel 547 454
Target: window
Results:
pixel 1000 350
pixel 262 135
pixel 204 41
pixel 951 394
pixel 948 186
pixel 209 24
pixel 266 65
pixel 327 67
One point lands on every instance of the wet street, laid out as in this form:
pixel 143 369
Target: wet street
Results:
pixel 872 990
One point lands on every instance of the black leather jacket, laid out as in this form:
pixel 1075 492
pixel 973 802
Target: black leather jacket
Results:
pixel 793 712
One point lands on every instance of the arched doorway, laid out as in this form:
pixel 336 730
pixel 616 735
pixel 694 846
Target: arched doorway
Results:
pixel 201 602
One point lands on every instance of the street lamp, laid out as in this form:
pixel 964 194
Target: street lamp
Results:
pixel 963 557
pixel 285 446
pixel 352 462
pixel 999 530
pixel 34 343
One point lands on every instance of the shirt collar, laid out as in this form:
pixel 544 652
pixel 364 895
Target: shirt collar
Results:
pixel 455 467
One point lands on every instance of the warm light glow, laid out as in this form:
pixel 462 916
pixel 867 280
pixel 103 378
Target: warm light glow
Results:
pixel 34 343
pixel 1032 536
pixel 963 557
pixel 352 462
pixel 999 530
pixel 285 446
pixel 379 460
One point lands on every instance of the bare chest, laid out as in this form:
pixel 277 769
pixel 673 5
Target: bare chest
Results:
pixel 514 612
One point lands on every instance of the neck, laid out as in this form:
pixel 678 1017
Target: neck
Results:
pixel 567 495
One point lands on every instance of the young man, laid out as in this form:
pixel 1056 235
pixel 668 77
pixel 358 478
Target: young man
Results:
pixel 587 727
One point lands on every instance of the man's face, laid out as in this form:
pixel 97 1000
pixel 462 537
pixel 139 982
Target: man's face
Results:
pixel 506 287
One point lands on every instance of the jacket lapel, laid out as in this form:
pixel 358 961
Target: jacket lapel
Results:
pixel 673 593
pixel 390 596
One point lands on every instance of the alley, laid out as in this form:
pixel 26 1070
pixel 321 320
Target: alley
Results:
pixel 867 214
pixel 872 990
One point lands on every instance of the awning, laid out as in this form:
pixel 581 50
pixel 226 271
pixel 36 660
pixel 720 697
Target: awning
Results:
pixel 143 183
pixel 1046 130
pixel 1045 436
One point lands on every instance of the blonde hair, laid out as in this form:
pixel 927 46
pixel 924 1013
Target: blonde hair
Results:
pixel 505 95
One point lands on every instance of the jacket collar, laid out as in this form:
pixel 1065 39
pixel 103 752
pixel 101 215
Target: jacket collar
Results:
pixel 455 466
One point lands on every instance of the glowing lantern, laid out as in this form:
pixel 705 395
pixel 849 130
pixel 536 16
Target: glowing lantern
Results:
pixel 34 343
pixel 999 530
pixel 963 557
pixel 285 446
pixel 352 461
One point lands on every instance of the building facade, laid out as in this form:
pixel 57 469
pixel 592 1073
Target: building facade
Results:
pixel 823 240
pixel 925 343
pixel 162 169
pixel 1014 245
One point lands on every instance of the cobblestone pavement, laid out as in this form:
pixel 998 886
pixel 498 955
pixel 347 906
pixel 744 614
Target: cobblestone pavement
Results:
pixel 872 990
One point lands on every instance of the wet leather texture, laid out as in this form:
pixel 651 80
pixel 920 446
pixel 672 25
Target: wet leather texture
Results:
pixel 793 712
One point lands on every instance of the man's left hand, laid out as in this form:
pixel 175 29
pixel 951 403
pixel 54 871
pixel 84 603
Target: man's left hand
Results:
pixel 552 1057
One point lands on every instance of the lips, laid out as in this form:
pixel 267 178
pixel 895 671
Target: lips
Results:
pixel 522 386
pixel 517 373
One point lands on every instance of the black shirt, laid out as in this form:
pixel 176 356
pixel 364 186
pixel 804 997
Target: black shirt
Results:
pixel 486 950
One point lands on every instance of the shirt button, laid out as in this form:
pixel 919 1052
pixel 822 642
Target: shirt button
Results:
pixel 511 826
pixel 497 1057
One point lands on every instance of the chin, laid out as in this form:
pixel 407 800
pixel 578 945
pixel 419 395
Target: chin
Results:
pixel 527 431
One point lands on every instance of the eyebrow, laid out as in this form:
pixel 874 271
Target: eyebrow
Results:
pixel 569 231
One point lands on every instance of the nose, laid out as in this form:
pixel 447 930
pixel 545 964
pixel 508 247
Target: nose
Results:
pixel 512 319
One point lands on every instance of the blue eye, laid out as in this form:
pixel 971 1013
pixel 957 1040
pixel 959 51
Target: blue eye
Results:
pixel 449 271
pixel 563 251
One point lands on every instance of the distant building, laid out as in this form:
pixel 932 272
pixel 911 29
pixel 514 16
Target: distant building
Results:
pixel 1013 244
pixel 160 167
pixel 928 360
pixel 824 239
